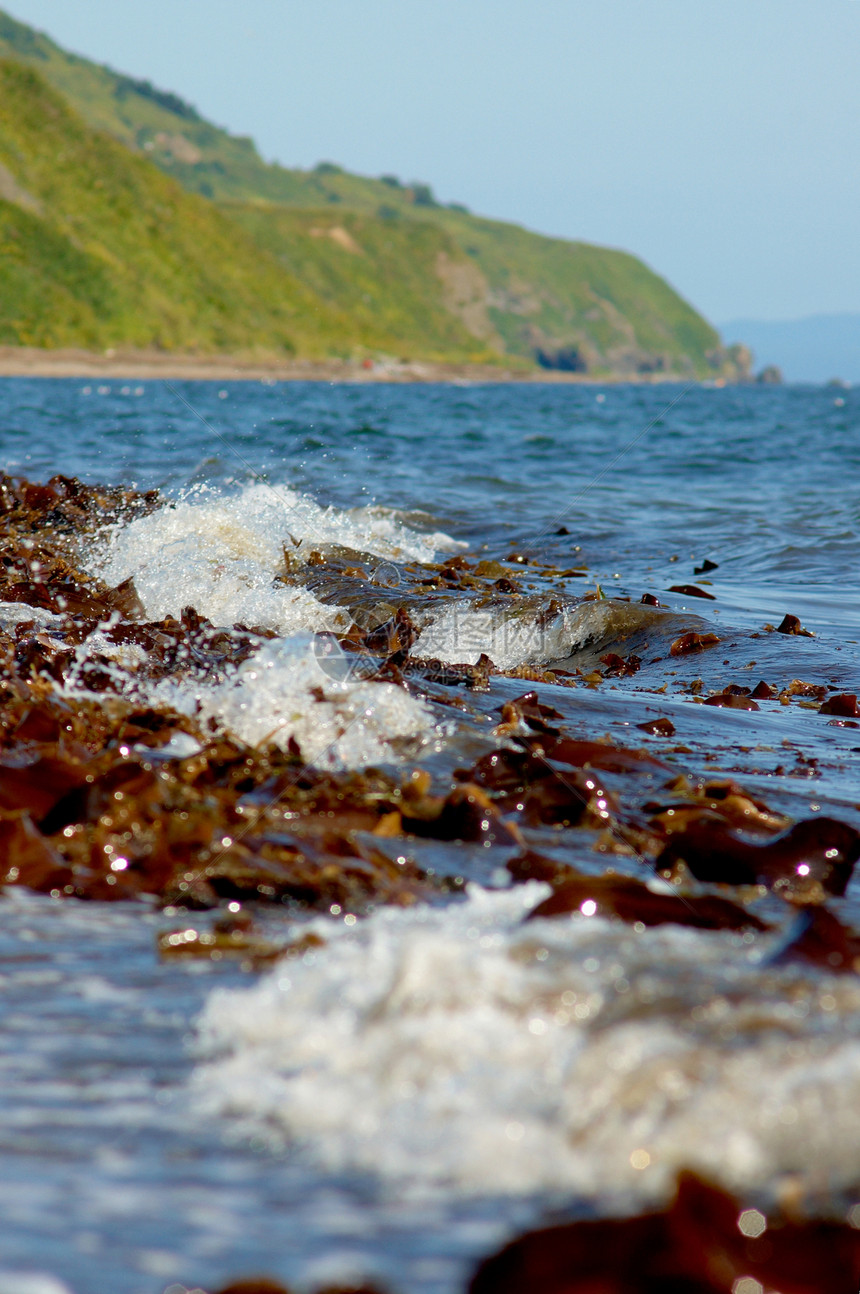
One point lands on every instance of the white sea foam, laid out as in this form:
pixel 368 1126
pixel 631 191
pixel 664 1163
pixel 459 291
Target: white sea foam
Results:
pixel 465 1050
pixel 13 614
pixel 518 635
pixel 285 690
pixel 219 553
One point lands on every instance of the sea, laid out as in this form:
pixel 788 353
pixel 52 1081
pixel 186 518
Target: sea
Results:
pixel 432 1080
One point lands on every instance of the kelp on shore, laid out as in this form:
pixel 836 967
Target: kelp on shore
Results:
pixel 103 797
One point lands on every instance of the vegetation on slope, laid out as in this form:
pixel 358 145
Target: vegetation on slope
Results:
pixel 204 158
pixel 308 262
pixel 98 248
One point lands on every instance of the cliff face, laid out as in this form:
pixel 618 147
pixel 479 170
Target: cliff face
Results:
pixel 315 262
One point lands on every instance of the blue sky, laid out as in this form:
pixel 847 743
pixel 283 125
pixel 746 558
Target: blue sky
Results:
pixel 718 141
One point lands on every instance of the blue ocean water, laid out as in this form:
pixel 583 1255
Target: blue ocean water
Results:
pixel 763 481
pixel 112 1177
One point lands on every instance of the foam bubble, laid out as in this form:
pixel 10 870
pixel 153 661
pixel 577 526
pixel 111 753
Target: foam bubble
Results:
pixel 464 1050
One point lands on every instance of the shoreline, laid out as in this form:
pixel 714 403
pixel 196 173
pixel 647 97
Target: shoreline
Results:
pixel 24 361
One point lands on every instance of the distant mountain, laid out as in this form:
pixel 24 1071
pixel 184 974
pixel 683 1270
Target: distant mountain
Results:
pixel 814 349
pixel 99 248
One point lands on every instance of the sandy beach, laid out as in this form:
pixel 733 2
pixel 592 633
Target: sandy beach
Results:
pixel 26 361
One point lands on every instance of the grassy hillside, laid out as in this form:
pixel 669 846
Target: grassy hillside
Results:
pixel 570 305
pixel 201 156
pixel 105 250
pixel 97 247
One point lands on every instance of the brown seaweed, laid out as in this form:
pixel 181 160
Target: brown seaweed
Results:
pixel 542 791
pixel 691 642
pixel 632 901
pixel 844 705
pixel 89 806
pixel 658 727
pixel 691 591
pixel 818 937
pixel 704 1242
pixel 732 701
pixel 530 711
pixel 86 809
pixel 791 625
pixel 813 858
pixel 618 667
pixel 467 813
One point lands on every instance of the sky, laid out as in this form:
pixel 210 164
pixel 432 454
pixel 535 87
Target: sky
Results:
pixel 718 141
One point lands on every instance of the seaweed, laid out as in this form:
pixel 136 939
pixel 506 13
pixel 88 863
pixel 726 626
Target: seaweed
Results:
pixel 813 858
pixel 691 591
pixel 691 642
pixel 629 899
pixel 704 1242
pixel 96 802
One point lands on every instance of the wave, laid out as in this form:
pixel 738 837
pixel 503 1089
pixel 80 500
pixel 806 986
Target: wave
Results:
pixel 525 635
pixel 221 553
pixel 465 1050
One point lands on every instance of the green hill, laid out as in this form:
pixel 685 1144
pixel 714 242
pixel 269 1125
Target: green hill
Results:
pixel 99 249
pixel 128 220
